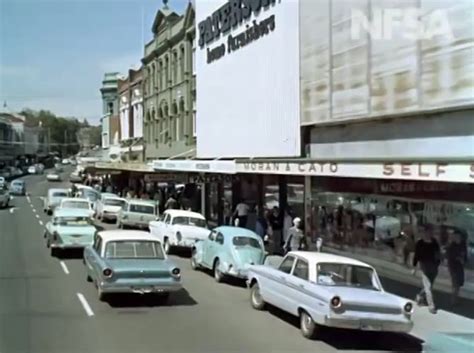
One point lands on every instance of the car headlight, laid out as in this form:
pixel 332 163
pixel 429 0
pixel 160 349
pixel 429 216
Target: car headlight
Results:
pixel 107 272
pixel 336 303
pixel 176 273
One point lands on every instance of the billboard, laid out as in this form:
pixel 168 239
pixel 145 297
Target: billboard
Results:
pixel 363 59
pixel 247 72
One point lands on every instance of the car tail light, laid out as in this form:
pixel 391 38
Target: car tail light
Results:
pixel 408 308
pixel 336 302
pixel 176 272
pixel 107 272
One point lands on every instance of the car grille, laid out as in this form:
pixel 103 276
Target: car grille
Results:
pixel 373 309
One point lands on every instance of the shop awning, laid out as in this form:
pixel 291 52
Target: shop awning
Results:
pixel 131 167
pixel 197 166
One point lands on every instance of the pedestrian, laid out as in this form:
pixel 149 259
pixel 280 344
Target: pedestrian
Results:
pixel 241 212
pixel 261 224
pixel 275 222
pixel 456 254
pixel 171 203
pixel 295 239
pixel 408 247
pixel 428 255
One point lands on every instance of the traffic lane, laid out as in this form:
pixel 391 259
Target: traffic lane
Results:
pixel 35 301
pixel 464 307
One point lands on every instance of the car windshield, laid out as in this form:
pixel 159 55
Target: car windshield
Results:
pixel 337 274
pixel 60 194
pixel 114 202
pixel 76 204
pixel 140 249
pixel 18 183
pixel 73 221
pixel 190 221
pixel 246 241
pixel 90 195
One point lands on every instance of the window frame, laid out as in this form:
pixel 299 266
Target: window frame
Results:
pixel 298 259
pixel 292 266
pixel 219 234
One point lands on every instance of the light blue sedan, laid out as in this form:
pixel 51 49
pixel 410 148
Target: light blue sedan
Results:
pixel 228 251
pixel 130 261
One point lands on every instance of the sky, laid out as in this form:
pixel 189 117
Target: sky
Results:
pixel 53 53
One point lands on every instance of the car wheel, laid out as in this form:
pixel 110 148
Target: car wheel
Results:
pixel 54 252
pixel 48 243
pixel 308 327
pixel 164 297
pixel 89 278
pixel 194 265
pixel 218 275
pixel 256 298
pixel 167 246
pixel 45 234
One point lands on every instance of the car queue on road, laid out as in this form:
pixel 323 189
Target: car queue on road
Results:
pixel 322 289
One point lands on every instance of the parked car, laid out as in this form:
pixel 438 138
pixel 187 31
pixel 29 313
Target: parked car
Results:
pixel 5 173
pixel 228 251
pixel 69 229
pixel 75 178
pixel 65 161
pixel 122 261
pixel 32 169
pixel 53 199
pixel 137 214
pixel 87 192
pixel 329 290
pixel 53 176
pixel 4 198
pixel 3 182
pixel 109 207
pixel 77 203
pixel 18 187
pixel 40 168
pixel 178 228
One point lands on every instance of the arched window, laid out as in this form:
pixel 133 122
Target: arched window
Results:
pixel 174 108
pixel 181 61
pixel 182 106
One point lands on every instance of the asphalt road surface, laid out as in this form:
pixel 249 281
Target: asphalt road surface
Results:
pixel 47 306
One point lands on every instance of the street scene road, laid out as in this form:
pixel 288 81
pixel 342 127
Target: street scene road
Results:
pixel 47 306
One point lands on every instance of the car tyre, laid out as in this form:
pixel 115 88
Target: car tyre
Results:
pixel 256 298
pixel 54 252
pixel 194 265
pixel 101 294
pixel 309 328
pixel 167 246
pixel 218 275
pixel 88 278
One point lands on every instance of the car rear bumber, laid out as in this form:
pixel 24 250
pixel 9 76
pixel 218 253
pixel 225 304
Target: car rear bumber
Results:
pixel 77 235
pixel 140 268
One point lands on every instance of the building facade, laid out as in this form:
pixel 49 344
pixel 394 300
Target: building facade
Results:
pixel 110 110
pixel 130 91
pixel 383 128
pixel 169 86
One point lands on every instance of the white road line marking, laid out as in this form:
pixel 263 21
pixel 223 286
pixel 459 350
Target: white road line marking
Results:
pixel 13 209
pixel 37 216
pixel 41 222
pixel 85 304
pixel 34 210
pixel 28 198
pixel 63 265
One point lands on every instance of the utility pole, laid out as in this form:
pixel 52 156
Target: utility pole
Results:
pixel 65 144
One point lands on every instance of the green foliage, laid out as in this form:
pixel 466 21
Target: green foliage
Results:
pixel 62 132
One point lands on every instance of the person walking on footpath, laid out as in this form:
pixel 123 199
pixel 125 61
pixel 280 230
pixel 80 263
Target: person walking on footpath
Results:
pixel 295 239
pixel 171 203
pixel 428 255
pixel 275 221
pixel 242 212
pixel 456 254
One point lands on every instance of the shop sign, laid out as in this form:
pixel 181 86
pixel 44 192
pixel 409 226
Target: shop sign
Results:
pixel 451 172
pixel 210 178
pixel 196 166
pixel 232 15
pixel 162 178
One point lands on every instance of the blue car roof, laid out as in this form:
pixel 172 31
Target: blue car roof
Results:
pixel 230 231
pixel 71 212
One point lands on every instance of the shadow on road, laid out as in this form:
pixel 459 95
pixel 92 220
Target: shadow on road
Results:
pixel 70 254
pixel 184 253
pixel 180 298
pixel 357 340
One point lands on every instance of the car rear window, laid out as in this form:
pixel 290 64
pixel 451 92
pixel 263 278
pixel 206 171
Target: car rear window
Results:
pixel 134 250
pixel 246 241
pixel 142 209
pixel 76 204
pixel 72 221
pixel 347 275
pixel 190 221
pixel 59 194
pixel 114 202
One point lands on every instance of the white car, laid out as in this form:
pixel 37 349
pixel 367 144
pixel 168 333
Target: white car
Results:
pixel 109 207
pixel 53 177
pixel 2 182
pixel 65 161
pixel 53 199
pixel 32 169
pixel 329 290
pixel 77 203
pixel 178 228
pixel 4 198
